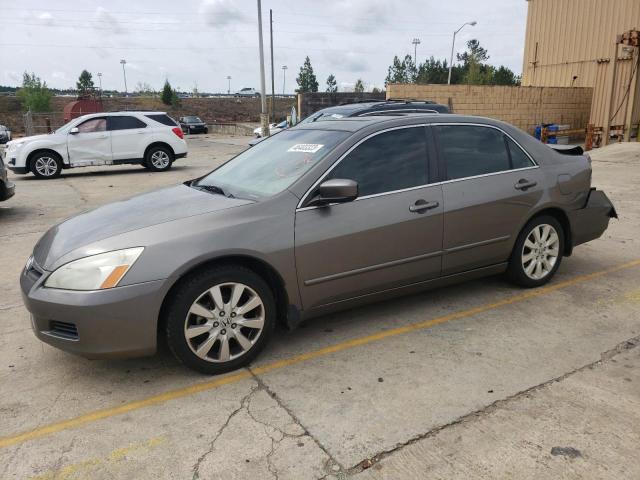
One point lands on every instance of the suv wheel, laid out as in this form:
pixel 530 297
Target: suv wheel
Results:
pixel 158 159
pixel 46 165
pixel 538 252
pixel 220 320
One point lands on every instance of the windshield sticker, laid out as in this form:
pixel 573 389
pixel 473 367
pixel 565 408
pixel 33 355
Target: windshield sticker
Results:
pixel 306 147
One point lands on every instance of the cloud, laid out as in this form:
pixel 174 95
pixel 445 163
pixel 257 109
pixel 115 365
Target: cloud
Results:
pixel 220 13
pixel 364 16
pixel 46 18
pixel 349 61
pixel 105 19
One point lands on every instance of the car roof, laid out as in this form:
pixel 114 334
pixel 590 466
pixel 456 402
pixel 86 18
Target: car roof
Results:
pixel 381 105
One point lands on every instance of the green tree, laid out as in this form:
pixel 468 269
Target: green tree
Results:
pixel 34 94
pixel 505 76
pixel 474 50
pixel 332 85
pixel 359 86
pixel 401 71
pixel 306 80
pixel 168 93
pixel 376 90
pixel 433 71
pixel 85 83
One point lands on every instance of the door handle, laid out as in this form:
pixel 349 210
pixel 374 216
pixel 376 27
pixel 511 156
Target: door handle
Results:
pixel 423 205
pixel 524 184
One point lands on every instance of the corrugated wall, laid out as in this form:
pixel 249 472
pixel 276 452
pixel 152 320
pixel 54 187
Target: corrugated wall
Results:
pixel 576 38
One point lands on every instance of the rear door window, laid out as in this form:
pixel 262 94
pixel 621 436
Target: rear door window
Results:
pixel 519 159
pixel 469 150
pixel 389 161
pixel 125 122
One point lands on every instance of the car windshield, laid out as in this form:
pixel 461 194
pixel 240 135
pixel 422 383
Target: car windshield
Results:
pixel 192 120
pixel 272 165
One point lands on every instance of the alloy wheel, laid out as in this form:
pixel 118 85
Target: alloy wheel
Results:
pixel 224 322
pixel 160 159
pixel 540 251
pixel 46 166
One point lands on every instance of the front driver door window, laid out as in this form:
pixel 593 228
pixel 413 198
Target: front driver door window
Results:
pixel 380 240
pixel 91 145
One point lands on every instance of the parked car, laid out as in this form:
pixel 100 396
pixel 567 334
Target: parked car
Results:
pixel 151 139
pixel 321 217
pixel 365 109
pixel 273 128
pixel 193 124
pixel 5 134
pixel 248 92
pixel 382 107
pixel 7 188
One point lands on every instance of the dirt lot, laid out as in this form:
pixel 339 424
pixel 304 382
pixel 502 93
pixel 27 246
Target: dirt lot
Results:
pixel 481 380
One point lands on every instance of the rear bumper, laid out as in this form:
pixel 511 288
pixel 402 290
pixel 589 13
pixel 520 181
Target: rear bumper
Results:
pixel 591 221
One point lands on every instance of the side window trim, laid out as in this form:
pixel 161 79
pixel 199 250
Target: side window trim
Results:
pixel 442 164
pixel 428 159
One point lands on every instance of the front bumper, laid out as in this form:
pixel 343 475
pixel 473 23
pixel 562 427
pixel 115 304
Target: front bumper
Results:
pixel 113 323
pixel 591 221
pixel 7 190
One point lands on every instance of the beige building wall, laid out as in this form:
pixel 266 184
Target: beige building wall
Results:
pixel 576 38
pixel 524 107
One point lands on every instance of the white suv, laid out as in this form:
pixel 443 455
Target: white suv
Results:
pixel 151 139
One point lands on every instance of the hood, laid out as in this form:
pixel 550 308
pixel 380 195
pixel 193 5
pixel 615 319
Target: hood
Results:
pixel 159 206
pixel 32 138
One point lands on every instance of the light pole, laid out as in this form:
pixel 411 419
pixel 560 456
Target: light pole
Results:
pixel 124 62
pixel 229 89
pixel 453 44
pixel 100 80
pixel 284 71
pixel 416 42
pixel 264 117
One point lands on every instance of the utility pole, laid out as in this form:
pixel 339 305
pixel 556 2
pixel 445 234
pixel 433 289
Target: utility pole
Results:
pixel 229 89
pixel 100 80
pixel 416 42
pixel 124 62
pixel 273 88
pixel 264 116
pixel 284 71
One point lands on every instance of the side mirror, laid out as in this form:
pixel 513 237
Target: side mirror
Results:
pixel 74 130
pixel 337 190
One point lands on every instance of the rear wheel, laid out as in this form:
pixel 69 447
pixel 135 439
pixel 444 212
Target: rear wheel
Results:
pixel 538 252
pixel 220 320
pixel 158 159
pixel 46 165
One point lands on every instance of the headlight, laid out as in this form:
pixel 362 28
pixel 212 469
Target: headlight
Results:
pixel 96 272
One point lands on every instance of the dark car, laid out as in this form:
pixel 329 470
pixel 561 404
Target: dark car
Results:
pixel 5 134
pixel 321 217
pixel 370 108
pixel 367 108
pixel 7 189
pixel 193 124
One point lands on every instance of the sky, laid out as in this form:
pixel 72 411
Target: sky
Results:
pixel 198 43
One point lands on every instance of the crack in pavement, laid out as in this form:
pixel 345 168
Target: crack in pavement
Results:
pixel 629 344
pixel 245 399
pixel 332 461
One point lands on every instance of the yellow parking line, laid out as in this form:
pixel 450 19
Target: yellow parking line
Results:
pixel 244 374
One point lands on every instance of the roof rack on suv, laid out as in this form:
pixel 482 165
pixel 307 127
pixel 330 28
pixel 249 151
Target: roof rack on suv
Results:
pixel 362 100
pixel 409 100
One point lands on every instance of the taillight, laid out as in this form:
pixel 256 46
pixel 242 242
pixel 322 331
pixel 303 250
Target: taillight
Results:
pixel 178 131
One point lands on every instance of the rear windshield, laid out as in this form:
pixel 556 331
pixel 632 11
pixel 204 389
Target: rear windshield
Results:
pixel 163 119
pixel 192 120
pixel 272 165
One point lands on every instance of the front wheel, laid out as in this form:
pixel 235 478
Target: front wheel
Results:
pixel 46 165
pixel 220 320
pixel 158 159
pixel 538 252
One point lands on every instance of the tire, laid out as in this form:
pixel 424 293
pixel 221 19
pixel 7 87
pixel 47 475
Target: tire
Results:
pixel 46 165
pixel 535 259
pixel 206 130
pixel 220 327
pixel 158 159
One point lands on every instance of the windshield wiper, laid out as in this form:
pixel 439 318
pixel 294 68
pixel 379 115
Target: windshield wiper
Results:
pixel 213 189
